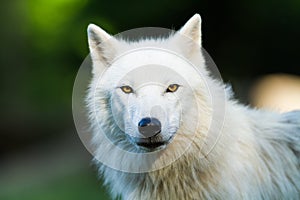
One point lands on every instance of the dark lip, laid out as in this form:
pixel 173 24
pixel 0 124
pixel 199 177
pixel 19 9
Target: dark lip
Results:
pixel 151 145
pixel 148 145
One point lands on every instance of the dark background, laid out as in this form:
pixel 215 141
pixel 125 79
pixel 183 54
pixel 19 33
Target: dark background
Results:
pixel 44 42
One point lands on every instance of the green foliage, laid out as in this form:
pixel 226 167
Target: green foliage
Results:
pixel 78 186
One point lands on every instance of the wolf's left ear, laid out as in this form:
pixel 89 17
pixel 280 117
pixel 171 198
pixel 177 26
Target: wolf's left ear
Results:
pixel 192 29
pixel 101 45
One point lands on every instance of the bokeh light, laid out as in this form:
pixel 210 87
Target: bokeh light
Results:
pixel 278 92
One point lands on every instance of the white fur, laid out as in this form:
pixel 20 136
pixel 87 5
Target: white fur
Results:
pixel 255 157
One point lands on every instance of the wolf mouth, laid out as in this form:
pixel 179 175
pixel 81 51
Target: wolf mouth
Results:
pixel 152 143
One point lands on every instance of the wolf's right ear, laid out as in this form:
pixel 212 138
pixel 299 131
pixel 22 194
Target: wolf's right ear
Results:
pixel 188 38
pixel 192 29
pixel 101 45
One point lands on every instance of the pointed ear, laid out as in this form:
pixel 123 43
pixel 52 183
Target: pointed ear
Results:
pixel 96 35
pixel 102 46
pixel 192 29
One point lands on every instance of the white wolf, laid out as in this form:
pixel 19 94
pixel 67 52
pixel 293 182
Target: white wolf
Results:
pixel 144 108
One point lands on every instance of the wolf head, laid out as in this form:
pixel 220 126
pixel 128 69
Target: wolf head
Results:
pixel 146 93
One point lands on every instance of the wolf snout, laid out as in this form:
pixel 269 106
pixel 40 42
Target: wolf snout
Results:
pixel 149 127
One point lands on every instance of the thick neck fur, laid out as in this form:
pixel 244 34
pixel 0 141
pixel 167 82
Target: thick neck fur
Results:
pixel 245 164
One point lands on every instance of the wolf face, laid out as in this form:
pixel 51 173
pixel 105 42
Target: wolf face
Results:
pixel 147 84
pixel 150 99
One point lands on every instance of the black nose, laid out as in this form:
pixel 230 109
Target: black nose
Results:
pixel 149 127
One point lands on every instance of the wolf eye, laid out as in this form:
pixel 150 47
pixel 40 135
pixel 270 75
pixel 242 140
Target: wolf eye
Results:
pixel 126 89
pixel 172 88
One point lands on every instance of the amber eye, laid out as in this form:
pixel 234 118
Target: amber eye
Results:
pixel 172 88
pixel 126 89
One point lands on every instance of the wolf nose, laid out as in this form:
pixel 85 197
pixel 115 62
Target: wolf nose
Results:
pixel 149 127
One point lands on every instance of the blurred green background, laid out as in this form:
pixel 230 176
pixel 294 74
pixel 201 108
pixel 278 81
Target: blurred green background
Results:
pixel 44 42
